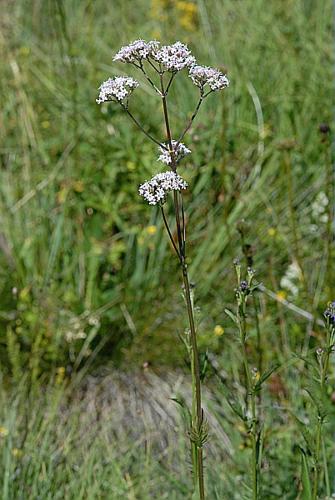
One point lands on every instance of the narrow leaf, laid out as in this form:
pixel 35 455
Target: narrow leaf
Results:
pixel 305 479
pixel 305 434
pixel 265 376
pixel 231 315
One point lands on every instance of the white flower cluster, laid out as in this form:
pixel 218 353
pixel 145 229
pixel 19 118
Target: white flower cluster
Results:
pixel 319 207
pixel 178 152
pixel 174 57
pixel 292 278
pixel 136 51
pixel 117 88
pixel 155 190
pixel 204 75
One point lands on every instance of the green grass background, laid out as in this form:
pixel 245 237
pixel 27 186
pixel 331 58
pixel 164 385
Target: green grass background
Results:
pixel 83 281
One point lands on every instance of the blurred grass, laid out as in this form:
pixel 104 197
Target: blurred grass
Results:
pixel 119 435
pixel 75 242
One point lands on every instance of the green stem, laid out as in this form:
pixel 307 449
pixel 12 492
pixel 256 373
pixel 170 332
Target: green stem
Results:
pixel 317 459
pixel 197 416
pixel 330 191
pixel 325 467
pixel 290 195
pixel 254 447
pixel 251 402
pixel 259 338
pixel 194 449
pixel 324 366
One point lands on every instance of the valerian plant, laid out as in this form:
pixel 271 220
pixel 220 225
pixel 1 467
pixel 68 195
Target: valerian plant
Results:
pixel 160 64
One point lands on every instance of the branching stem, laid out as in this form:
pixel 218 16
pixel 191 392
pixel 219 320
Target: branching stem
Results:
pixel 319 443
pixel 191 119
pixel 137 123
pixel 197 413
pixel 251 401
pixel 169 233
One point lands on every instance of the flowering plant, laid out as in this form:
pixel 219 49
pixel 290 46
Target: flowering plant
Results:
pixel 165 62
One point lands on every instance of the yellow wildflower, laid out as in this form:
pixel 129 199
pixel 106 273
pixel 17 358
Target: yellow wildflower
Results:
pixel 24 51
pixel 240 428
pixel 60 374
pixel 131 165
pixel 16 452
pixel 62 194
pixel 257 375
pixel 188 15
pixel 151 230
pixel 24 294
pixel 218 330
pixel 3 431
pixel 271 231
pixel 281 295
pixel 78 186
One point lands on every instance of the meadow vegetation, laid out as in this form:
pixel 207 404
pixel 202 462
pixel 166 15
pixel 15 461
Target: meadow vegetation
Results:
pixel 87 328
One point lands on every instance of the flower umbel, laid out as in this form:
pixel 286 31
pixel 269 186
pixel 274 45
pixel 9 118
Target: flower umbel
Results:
pixel 178 152
pixel 136 51
pixel 204 75
pixel 116 89
pixel 174 57
pixel 155 190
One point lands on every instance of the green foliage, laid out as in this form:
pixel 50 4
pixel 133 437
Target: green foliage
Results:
pixel 306 483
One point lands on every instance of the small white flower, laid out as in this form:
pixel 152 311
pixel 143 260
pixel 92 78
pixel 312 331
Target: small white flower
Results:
pixel 136 51
pixel 204 75
pixel 292 278
pixel 155 190
pixel 174 57
pixel 319 205
pixel 116 89
pixel 178 152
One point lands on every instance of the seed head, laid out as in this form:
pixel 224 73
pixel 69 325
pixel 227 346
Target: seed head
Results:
pixel 155 190
pixel 329 313
pixel 324 128
pixel 319 351
pixel 244 286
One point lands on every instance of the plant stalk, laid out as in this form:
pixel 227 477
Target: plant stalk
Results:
pixel 320 445
pixel 197 414
pixel 251 403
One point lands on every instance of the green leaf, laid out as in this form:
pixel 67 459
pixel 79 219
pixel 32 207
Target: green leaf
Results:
pixel 185 412
pixel 305 434
pixel 55 247
pixel 238 409
pixel 259 446
pixel 204 365
pixel 265 376
pixel 232 316
pixel 316 400
pixel 305 479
